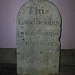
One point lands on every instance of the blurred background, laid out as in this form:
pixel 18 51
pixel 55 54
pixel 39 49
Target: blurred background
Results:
pixel 8 15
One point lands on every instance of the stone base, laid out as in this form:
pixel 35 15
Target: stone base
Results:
pixel 39 74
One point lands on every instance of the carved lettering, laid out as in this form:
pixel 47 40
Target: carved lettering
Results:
pixel 38 33
pixel 37 21
pixel 38 10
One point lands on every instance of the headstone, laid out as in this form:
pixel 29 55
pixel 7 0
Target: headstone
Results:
pixel 38 38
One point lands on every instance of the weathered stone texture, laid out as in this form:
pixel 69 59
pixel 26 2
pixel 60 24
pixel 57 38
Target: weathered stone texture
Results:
pixel 38 33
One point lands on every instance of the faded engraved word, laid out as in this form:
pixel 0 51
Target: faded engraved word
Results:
pixel 45 43
pixel 37 21
pixel 38 32
pixel 38 10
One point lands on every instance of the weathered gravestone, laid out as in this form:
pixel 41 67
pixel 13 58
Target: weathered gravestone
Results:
pixel 38 34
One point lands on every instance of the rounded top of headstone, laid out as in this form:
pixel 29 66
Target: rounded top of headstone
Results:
pixel 41 9
pixel 40 0
pixel 38 32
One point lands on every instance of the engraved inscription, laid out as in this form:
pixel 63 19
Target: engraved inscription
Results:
pixel 38 33
pixel 36 10
pixel 36 21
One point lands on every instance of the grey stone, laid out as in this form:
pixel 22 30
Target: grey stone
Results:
pixel 38 34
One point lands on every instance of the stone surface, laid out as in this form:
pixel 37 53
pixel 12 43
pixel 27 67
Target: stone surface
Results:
pixel 38 34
